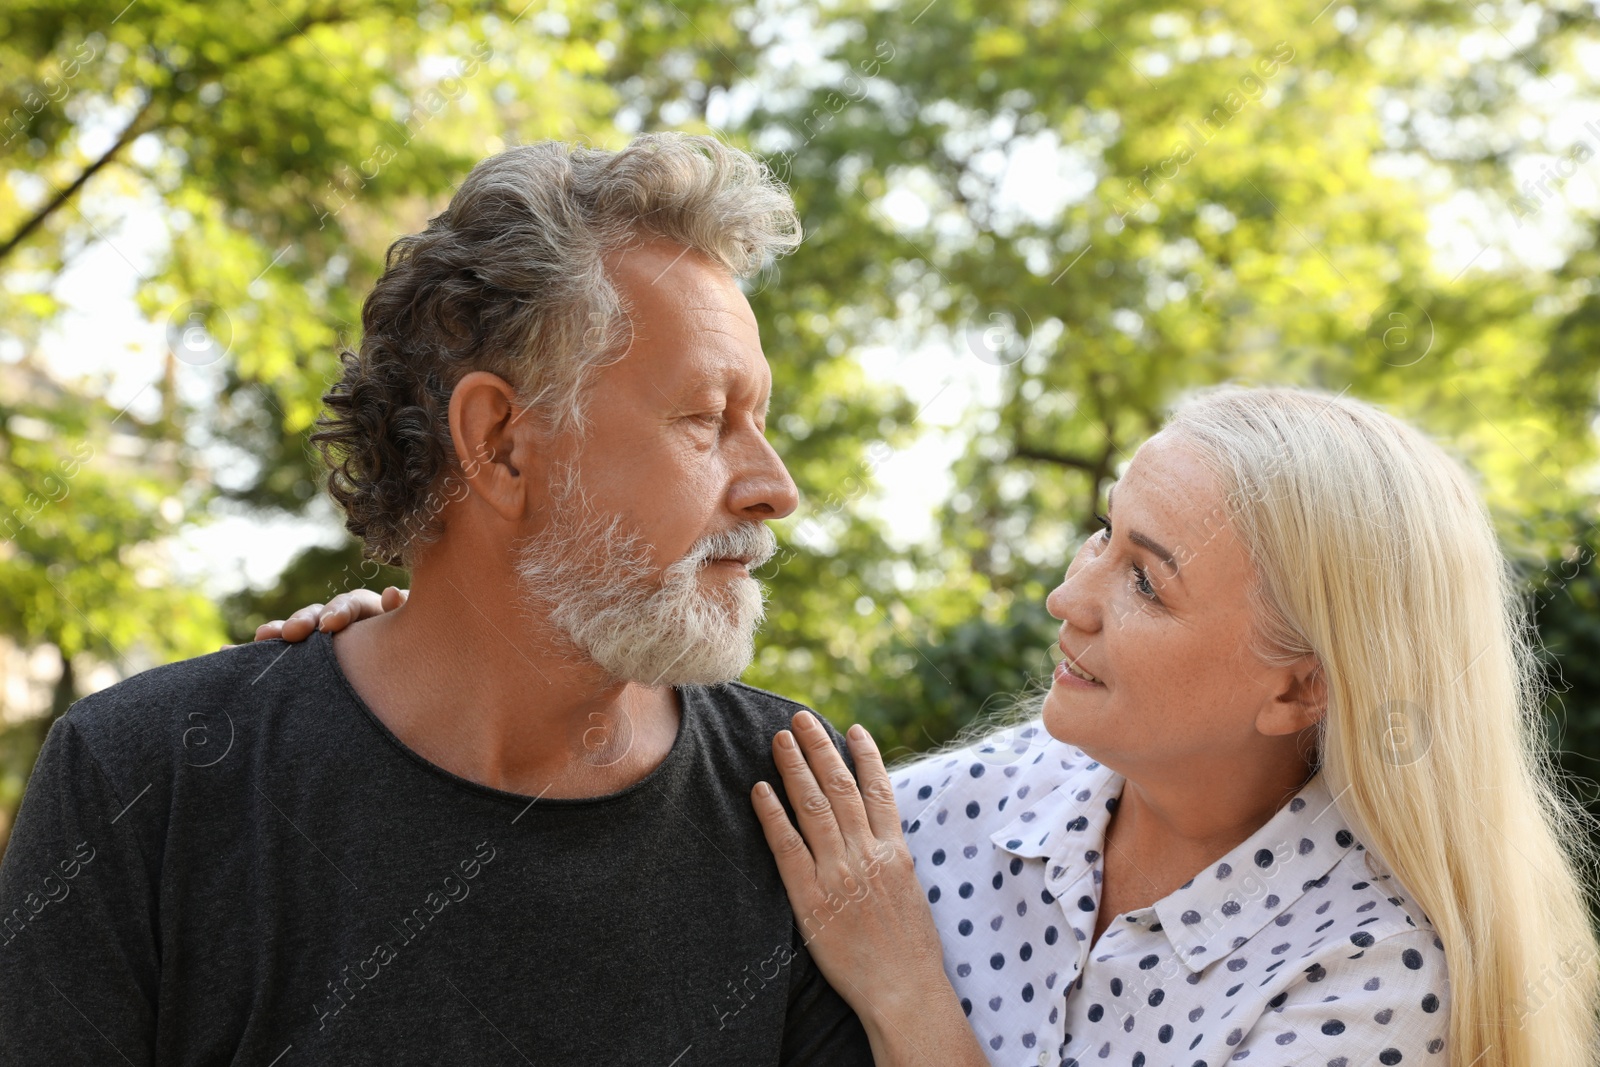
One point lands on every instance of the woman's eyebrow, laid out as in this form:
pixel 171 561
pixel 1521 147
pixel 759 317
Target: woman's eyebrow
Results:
pixel 1145 542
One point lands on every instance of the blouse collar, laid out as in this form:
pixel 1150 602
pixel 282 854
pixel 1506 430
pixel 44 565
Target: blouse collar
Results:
pixel 1220 908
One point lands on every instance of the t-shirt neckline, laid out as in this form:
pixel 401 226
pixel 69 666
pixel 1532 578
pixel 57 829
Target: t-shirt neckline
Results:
pixel 669 771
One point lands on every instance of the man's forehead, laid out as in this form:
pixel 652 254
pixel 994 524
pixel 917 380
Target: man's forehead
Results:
pixel 689 321
pixel 668 295
pixel 709 337
pixel 658 262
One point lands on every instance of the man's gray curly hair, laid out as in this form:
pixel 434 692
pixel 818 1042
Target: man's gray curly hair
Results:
pixel 511 279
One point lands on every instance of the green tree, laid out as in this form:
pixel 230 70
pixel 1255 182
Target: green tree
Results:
pixel 1237 191
pixel 283 145
pixel 86 496
pixel 1565 597
pixel 1238 199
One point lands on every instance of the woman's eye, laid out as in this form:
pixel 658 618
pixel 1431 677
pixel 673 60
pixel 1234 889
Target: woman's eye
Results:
pixel 1141 582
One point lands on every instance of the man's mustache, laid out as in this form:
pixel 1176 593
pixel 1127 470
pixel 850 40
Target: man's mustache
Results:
pixel 752 543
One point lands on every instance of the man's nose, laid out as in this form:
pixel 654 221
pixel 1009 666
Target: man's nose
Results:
pixel 763 489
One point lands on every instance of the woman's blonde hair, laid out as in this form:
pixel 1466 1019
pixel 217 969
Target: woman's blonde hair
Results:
pixel 1374 552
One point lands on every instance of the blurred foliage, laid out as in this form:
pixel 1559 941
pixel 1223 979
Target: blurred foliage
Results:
pixel 1566 607
pixel 1237 191
pixel 1245 195
pixel 87 495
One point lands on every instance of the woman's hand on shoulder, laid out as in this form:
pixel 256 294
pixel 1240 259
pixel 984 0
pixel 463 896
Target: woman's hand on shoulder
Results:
pixel 335 615
pixel 857 901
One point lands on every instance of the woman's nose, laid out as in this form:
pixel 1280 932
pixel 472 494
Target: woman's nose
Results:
pixel 1076 600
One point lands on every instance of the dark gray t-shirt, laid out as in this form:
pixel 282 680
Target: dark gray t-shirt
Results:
pixel 231 860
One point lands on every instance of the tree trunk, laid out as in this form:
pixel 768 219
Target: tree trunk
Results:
pixel 66 692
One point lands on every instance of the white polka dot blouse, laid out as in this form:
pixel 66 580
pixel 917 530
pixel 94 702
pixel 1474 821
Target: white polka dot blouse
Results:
pixel 1288 950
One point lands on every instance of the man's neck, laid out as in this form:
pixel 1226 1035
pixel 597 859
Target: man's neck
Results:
pixel 483 692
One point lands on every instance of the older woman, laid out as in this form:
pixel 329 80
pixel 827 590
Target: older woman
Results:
pixel 1288 768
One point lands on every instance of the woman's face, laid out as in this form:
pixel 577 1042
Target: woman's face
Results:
pixel 1156 609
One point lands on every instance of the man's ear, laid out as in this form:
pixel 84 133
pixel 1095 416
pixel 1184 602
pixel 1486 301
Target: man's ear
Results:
pixel 1301 702
pixel 494 442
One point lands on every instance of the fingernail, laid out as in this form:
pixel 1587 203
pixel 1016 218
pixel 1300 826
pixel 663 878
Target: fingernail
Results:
pixel 763 790
pixel 857 732
pixel 785 739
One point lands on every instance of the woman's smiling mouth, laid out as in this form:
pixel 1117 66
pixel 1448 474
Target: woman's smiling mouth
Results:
pixel 1071 673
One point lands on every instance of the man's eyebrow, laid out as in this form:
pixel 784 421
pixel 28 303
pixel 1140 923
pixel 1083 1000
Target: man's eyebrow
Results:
pixel 1147 543
pixel 713 377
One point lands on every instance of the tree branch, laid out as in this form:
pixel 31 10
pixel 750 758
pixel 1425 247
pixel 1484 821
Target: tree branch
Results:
pixel 1098 468
pixel 132 130
pixel 55 203
pixel 1060 459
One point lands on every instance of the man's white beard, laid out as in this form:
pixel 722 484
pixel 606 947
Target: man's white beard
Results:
pixel 593 579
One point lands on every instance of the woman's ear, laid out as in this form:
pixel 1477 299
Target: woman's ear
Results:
pixel 493 440
pixel 1301 702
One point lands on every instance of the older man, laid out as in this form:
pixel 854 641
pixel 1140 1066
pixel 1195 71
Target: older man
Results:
pixel 509 822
